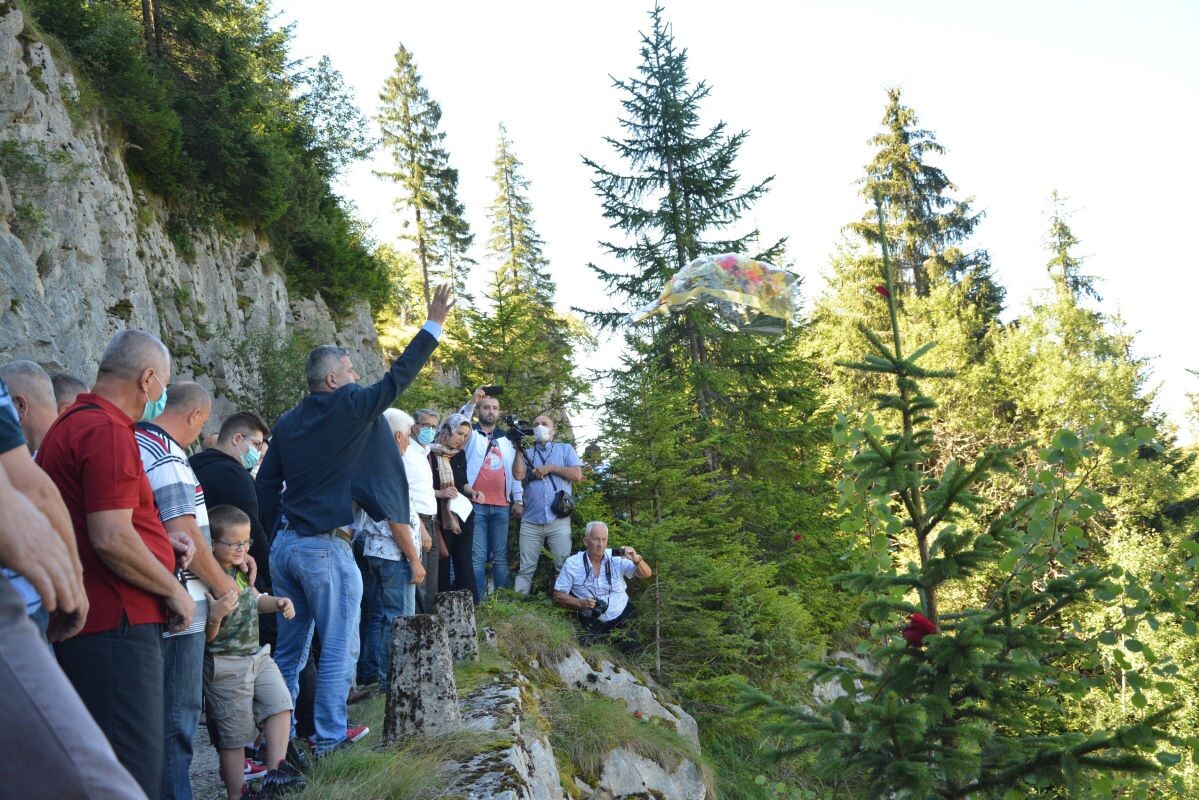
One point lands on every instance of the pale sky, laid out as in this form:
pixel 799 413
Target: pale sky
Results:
pixel 1099 100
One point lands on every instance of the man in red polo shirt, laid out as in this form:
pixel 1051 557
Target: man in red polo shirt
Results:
pixel 115 662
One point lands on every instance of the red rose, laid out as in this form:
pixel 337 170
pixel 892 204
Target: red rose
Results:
pixel 798 537
pixel 918 627
pixel 882 290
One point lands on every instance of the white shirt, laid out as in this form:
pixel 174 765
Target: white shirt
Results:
pixel 609 583
pixel 420 479
pixel 378 541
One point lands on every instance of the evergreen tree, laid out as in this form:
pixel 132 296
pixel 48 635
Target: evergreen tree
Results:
pixel 410 120
pixel 929 226
pixel 521 342
pixel 973 701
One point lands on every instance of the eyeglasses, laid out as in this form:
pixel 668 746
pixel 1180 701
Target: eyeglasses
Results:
pixel 235 546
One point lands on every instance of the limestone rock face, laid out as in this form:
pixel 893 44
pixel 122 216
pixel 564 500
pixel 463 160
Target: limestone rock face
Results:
pixel 84 255
pixel 421 694
pixel 628 774
pixel 523 766
pixel 458 611
pixel 610 680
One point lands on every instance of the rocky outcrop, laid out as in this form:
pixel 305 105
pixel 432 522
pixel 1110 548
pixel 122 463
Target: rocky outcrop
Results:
pixel 635 692
pixel 84 254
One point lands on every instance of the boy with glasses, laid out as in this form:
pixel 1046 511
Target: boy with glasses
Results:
pixel 241 682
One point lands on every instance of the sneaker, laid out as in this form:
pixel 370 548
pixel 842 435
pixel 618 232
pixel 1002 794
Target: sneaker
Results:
pixel 297 758
pixel 354 733
pixel 253 770
pixel 282 781
pixel 249 794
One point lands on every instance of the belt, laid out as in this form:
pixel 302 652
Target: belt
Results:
pixel 343 534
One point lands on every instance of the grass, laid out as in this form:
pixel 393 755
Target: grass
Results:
pixel 585 727
pixel 470 676
pixel 529 631
pixel 411 770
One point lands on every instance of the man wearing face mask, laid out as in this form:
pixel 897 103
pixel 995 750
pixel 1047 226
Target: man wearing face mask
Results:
pixel 549 467
pixel 90 452
pixel 423 502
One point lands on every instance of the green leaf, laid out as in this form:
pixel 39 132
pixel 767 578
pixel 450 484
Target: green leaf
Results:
pixel 1144 434
pixel 1065 439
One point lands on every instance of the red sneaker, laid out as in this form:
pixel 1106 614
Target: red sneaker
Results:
pixel 355 733
pixel 254 770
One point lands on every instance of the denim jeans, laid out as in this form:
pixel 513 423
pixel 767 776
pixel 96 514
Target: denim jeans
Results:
pixel 182 691
pixel 386 594
pixel 320 577
pixel 491 543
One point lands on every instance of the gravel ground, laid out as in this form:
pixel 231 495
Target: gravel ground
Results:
pixel 206 781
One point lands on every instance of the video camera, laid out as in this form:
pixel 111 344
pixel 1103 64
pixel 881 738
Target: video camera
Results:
pixel 518 428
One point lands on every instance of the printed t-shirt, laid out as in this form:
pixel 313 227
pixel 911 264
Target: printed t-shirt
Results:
pixel 492 479
pixel 238 635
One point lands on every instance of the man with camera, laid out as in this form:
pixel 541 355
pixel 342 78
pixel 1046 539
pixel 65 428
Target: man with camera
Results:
pixel 594 583
pixel 549 469
pixel 490 455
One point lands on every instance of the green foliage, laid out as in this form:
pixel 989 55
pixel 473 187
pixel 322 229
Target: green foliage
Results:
pixel 980 708
pixel 220 122
pixel 411 120
pixel 521 342
pixel 276 368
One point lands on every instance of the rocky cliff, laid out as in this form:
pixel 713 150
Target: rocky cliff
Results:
pixel 84 253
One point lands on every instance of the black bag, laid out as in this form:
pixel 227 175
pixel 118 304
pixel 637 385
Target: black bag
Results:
pixel 564 502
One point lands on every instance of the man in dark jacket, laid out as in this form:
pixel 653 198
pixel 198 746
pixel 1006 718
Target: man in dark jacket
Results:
pixel 315 450
pixel 224 472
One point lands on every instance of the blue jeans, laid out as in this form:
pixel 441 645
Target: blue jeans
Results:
pixel 386 594
pixel 320 577
pixel 182 690
pixel 491 543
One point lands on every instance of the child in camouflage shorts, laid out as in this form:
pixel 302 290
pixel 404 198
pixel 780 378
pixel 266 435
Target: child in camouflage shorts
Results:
pixel 242 685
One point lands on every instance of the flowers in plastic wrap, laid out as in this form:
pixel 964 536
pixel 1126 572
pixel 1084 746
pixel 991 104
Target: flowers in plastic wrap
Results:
pixel 743 294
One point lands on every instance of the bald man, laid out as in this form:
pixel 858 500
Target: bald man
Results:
pixel 115 662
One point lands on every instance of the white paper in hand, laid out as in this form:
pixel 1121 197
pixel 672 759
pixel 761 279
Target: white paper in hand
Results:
pixel 461 506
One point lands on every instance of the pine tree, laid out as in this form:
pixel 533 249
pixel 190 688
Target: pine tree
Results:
pixel 521 342
pixel 973 700
pixel 410 120
pixel 929 226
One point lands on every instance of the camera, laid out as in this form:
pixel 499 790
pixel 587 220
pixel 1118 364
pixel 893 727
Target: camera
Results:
pixel 517 428
pixel 601 606
pixel 618 552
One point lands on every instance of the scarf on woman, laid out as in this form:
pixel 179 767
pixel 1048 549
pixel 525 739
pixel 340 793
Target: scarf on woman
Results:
pixel 445 474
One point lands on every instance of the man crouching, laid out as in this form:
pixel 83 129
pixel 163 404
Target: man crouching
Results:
pixel 593 583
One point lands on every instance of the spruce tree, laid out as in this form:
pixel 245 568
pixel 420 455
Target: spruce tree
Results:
pixel 972 698
pixel 521 342
pixel 410 121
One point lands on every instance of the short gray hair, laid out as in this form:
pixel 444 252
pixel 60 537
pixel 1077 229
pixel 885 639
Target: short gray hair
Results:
pixel 590 526
pixel 426 412
pixel 67 386
pixel 26 378
pixel 130 353
pixel 398 420
pixel 188 396
pixel 321 361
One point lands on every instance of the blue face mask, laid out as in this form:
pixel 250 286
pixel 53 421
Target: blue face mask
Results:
pixel 153 408
pixel 251 456
pixel 425 436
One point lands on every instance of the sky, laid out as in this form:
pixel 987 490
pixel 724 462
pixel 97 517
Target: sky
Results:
pixel 1097 100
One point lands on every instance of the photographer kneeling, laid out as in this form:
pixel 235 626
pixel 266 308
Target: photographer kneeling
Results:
pixel 593 583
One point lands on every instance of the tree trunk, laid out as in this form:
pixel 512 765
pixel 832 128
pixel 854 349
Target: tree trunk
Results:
pixel 422 697
pixel 148 26
pixel 457 610
pixel 157 30
pixel 422 252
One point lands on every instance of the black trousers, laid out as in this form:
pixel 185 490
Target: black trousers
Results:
pixel 118 675
pixel 625 636
pixel 460 547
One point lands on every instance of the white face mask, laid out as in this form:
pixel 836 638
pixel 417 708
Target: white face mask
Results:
pixel 541 433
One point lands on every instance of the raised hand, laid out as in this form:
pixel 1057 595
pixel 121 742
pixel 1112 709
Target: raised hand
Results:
pixel 443 301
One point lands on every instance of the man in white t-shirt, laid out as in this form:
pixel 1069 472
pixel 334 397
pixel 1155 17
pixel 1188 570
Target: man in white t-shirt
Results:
pixel 180 500
pixel 594 583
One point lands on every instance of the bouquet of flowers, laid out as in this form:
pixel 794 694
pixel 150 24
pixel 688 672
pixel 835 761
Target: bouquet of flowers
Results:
pixel 743 294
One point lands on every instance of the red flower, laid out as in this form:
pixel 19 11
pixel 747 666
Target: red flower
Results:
pixel 918 627
pixel 798 537
pixel 882 290
pixel 638 715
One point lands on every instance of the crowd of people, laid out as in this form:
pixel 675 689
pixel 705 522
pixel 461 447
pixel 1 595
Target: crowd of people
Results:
pixel 252 583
